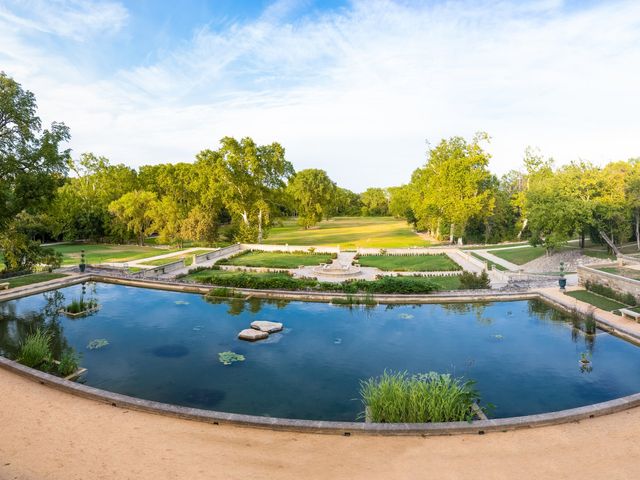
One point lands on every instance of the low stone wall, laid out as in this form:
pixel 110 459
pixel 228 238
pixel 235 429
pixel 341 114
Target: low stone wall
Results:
pixel 618 283
pixel 220 253
pixel 289 248
pixel 162 269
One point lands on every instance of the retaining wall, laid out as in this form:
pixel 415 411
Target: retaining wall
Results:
pixel 618 283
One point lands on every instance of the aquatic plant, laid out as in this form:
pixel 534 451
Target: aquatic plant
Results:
pixel 69 362
pixel 584 358
pixel 227 358
pixel 181 302
pixel 428 397
pixel 498 336
pixel 36 349
pixel 406 316
pixel 97 343
pixel 79 306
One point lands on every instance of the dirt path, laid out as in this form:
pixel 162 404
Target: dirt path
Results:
pixel 47 434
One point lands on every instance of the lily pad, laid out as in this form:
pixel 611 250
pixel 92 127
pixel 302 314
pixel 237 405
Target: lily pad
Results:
pixel 406 316
pixel 227 358
pixel 181 302
pixel 97 343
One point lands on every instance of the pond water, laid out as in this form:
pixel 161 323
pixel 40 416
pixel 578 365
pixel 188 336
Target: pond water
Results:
pixel 164 346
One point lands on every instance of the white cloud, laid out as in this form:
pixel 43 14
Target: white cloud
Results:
pixel 74 19
pixel 358 91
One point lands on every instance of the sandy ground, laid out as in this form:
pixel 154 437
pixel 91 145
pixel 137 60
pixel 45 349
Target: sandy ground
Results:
pixel 47 434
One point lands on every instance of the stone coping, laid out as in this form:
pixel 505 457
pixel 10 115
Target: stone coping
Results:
pixel 321 426
pixel 313 426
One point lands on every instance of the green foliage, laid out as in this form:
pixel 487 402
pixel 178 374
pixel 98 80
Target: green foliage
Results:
pixel 81 305
pixel 69 362
pixel 431 397
pixel 625 298
pixel 473 281
pixel 223 292
pixel 97 344
pixel 367 300
pixel 375 202
pixel 35 350
pixel 227 358
pixel 313 193
pixel 135 212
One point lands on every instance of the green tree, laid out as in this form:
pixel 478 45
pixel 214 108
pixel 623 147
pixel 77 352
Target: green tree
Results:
pixel 313 193
pixel 632 191
pixel 375 202
pixel 454 186
pixel 200 225
pixel 134 211
pixel 347 203
pixel 32 163
pixel 167 219
pixel 250 181
pixel 400 203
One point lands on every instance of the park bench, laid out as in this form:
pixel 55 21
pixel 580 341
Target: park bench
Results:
pixel 4 286
pixel 630 314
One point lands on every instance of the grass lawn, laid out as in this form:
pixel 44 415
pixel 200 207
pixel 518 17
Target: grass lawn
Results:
pixel 276 259
pixel 622 271
pixel 33 278
pixel 494 246
pixel 101 253
pixel 412 263
pixel 519 256
pixel 349 233
pixel 491 264
pixel 598 301
pixel 175 258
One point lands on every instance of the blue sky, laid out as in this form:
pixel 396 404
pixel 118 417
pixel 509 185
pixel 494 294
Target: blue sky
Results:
pixel 356 87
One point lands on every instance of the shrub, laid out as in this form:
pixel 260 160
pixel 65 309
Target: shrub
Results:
pixel 473 281
pixel 402 285
pixel 224 292
pixel 626 298
pixel 431 397
pixel 36 349
pixel 79 306
pixel 69 362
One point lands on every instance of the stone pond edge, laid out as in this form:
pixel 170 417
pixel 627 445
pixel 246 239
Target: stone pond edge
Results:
pixel 312 426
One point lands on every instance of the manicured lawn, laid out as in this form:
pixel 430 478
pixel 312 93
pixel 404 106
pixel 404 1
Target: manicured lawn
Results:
pixel 491 264
pixel 33 278
pixel 349 233
pixel 276 259
pixel 412 263
pixel 101 253
pixel 598 301
pixel 622 271
pixel 519 256
pixel 175 258
pixel 494 246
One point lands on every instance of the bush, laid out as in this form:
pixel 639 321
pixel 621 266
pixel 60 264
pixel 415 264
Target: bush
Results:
pixel 78 306
pixel 402 285
pixel 473 281
pixel 431 397
pixel 69 362
pixel 36 349
pixel 626 298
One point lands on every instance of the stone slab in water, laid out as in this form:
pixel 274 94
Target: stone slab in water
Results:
pixel 266 326
pixel 252 334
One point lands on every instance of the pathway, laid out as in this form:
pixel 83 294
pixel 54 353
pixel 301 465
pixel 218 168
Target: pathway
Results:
pixel 49 434
pixel 512 267
pixel 140 263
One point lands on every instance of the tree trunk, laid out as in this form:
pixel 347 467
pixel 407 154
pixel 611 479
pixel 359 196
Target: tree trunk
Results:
pixel 260 226
pixel 582 239
pixel 451 233
pixel 609 242
pixel 524 225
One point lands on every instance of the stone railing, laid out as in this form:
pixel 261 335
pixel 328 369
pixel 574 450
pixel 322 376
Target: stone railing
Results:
pixel 216 254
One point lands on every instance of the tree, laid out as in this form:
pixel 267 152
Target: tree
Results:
pixel 250 180
pixel 32 163
pixel 454 186
pixel 167 221
pixel 313 193
pixel 375 202
pixel 632 191
pixel 134 211
pixel 347 203
pixel 400 203
pixel 200 225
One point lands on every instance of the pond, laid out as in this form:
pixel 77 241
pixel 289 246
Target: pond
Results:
pixel 164 346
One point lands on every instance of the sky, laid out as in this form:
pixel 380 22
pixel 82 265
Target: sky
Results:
pixel 359 88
